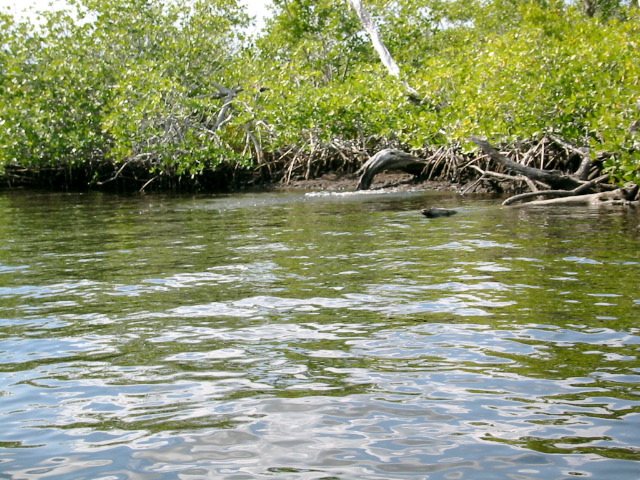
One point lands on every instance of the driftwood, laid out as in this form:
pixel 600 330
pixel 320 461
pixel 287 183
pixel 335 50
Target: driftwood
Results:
pixel 578 191
pixel 572 189
pixel 620 196
pixel 388 159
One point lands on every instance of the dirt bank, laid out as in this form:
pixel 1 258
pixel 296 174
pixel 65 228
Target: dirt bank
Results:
pixel 349 181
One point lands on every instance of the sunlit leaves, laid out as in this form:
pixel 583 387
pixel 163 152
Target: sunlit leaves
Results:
pixel 120 81
pixel 137 80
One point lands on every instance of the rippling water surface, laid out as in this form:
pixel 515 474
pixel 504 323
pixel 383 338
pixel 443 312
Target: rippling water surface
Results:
pixel 316 336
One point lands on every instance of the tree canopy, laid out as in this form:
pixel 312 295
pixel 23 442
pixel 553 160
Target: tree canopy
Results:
pixel 179 92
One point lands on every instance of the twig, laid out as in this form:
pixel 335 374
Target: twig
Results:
pixel 569 147
pixel 147 183
pixel 117 174
pixel 583 171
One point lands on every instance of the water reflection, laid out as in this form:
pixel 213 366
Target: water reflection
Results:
pixel 315 337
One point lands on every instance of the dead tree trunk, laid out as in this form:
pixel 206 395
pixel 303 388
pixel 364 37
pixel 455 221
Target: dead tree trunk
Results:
pixel 378 44
pixel 573 189
pixel 553 178
pixel 383 52
pixel 389 159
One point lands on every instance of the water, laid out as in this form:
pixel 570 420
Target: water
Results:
pixel 316 336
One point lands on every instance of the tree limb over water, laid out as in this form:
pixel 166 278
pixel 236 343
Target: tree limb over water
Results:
pixel 388 159
pixel 569 189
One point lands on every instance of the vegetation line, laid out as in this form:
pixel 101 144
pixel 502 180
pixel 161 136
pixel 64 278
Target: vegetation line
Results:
pixel 142 94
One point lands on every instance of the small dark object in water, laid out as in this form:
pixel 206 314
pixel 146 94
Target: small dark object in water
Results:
pixel 435 212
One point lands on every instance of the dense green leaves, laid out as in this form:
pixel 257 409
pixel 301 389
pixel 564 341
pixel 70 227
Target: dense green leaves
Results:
pixel 119 82
pixel 122 83
pixel 512 71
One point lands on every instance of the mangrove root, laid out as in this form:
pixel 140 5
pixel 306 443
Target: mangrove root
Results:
pixel 553 178
pixel 388 159
pixel 579 188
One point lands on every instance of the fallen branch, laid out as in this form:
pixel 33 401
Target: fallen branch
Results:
pixel 554 178
pixel 621 196
pixel 388 159
pixel 557 193
pixel 486 174
pixel 501 176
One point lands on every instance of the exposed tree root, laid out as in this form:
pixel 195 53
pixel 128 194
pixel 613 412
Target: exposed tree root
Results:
pixel 548 168
pixel 388 159
pixel 544 169
pixel 583 187
pixel 553 178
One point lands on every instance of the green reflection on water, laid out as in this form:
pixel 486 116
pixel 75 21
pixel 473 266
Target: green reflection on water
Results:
pixel 158 314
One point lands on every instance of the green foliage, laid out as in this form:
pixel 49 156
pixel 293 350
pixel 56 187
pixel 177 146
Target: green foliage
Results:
pixel 120 81
pixel 315 36
pixel 507 69
pixel 123 82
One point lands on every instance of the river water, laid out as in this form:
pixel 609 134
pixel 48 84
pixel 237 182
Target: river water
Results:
pixel 316 336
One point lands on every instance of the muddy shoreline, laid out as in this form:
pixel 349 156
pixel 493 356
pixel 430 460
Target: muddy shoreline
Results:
pixel 385 180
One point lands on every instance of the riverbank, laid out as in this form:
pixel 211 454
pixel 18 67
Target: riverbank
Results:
pixel 505 169
pixel 134 177
pixel 348 181
pixel 137 102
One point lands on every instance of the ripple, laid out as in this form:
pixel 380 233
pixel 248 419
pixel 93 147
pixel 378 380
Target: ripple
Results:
pixel 314 337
